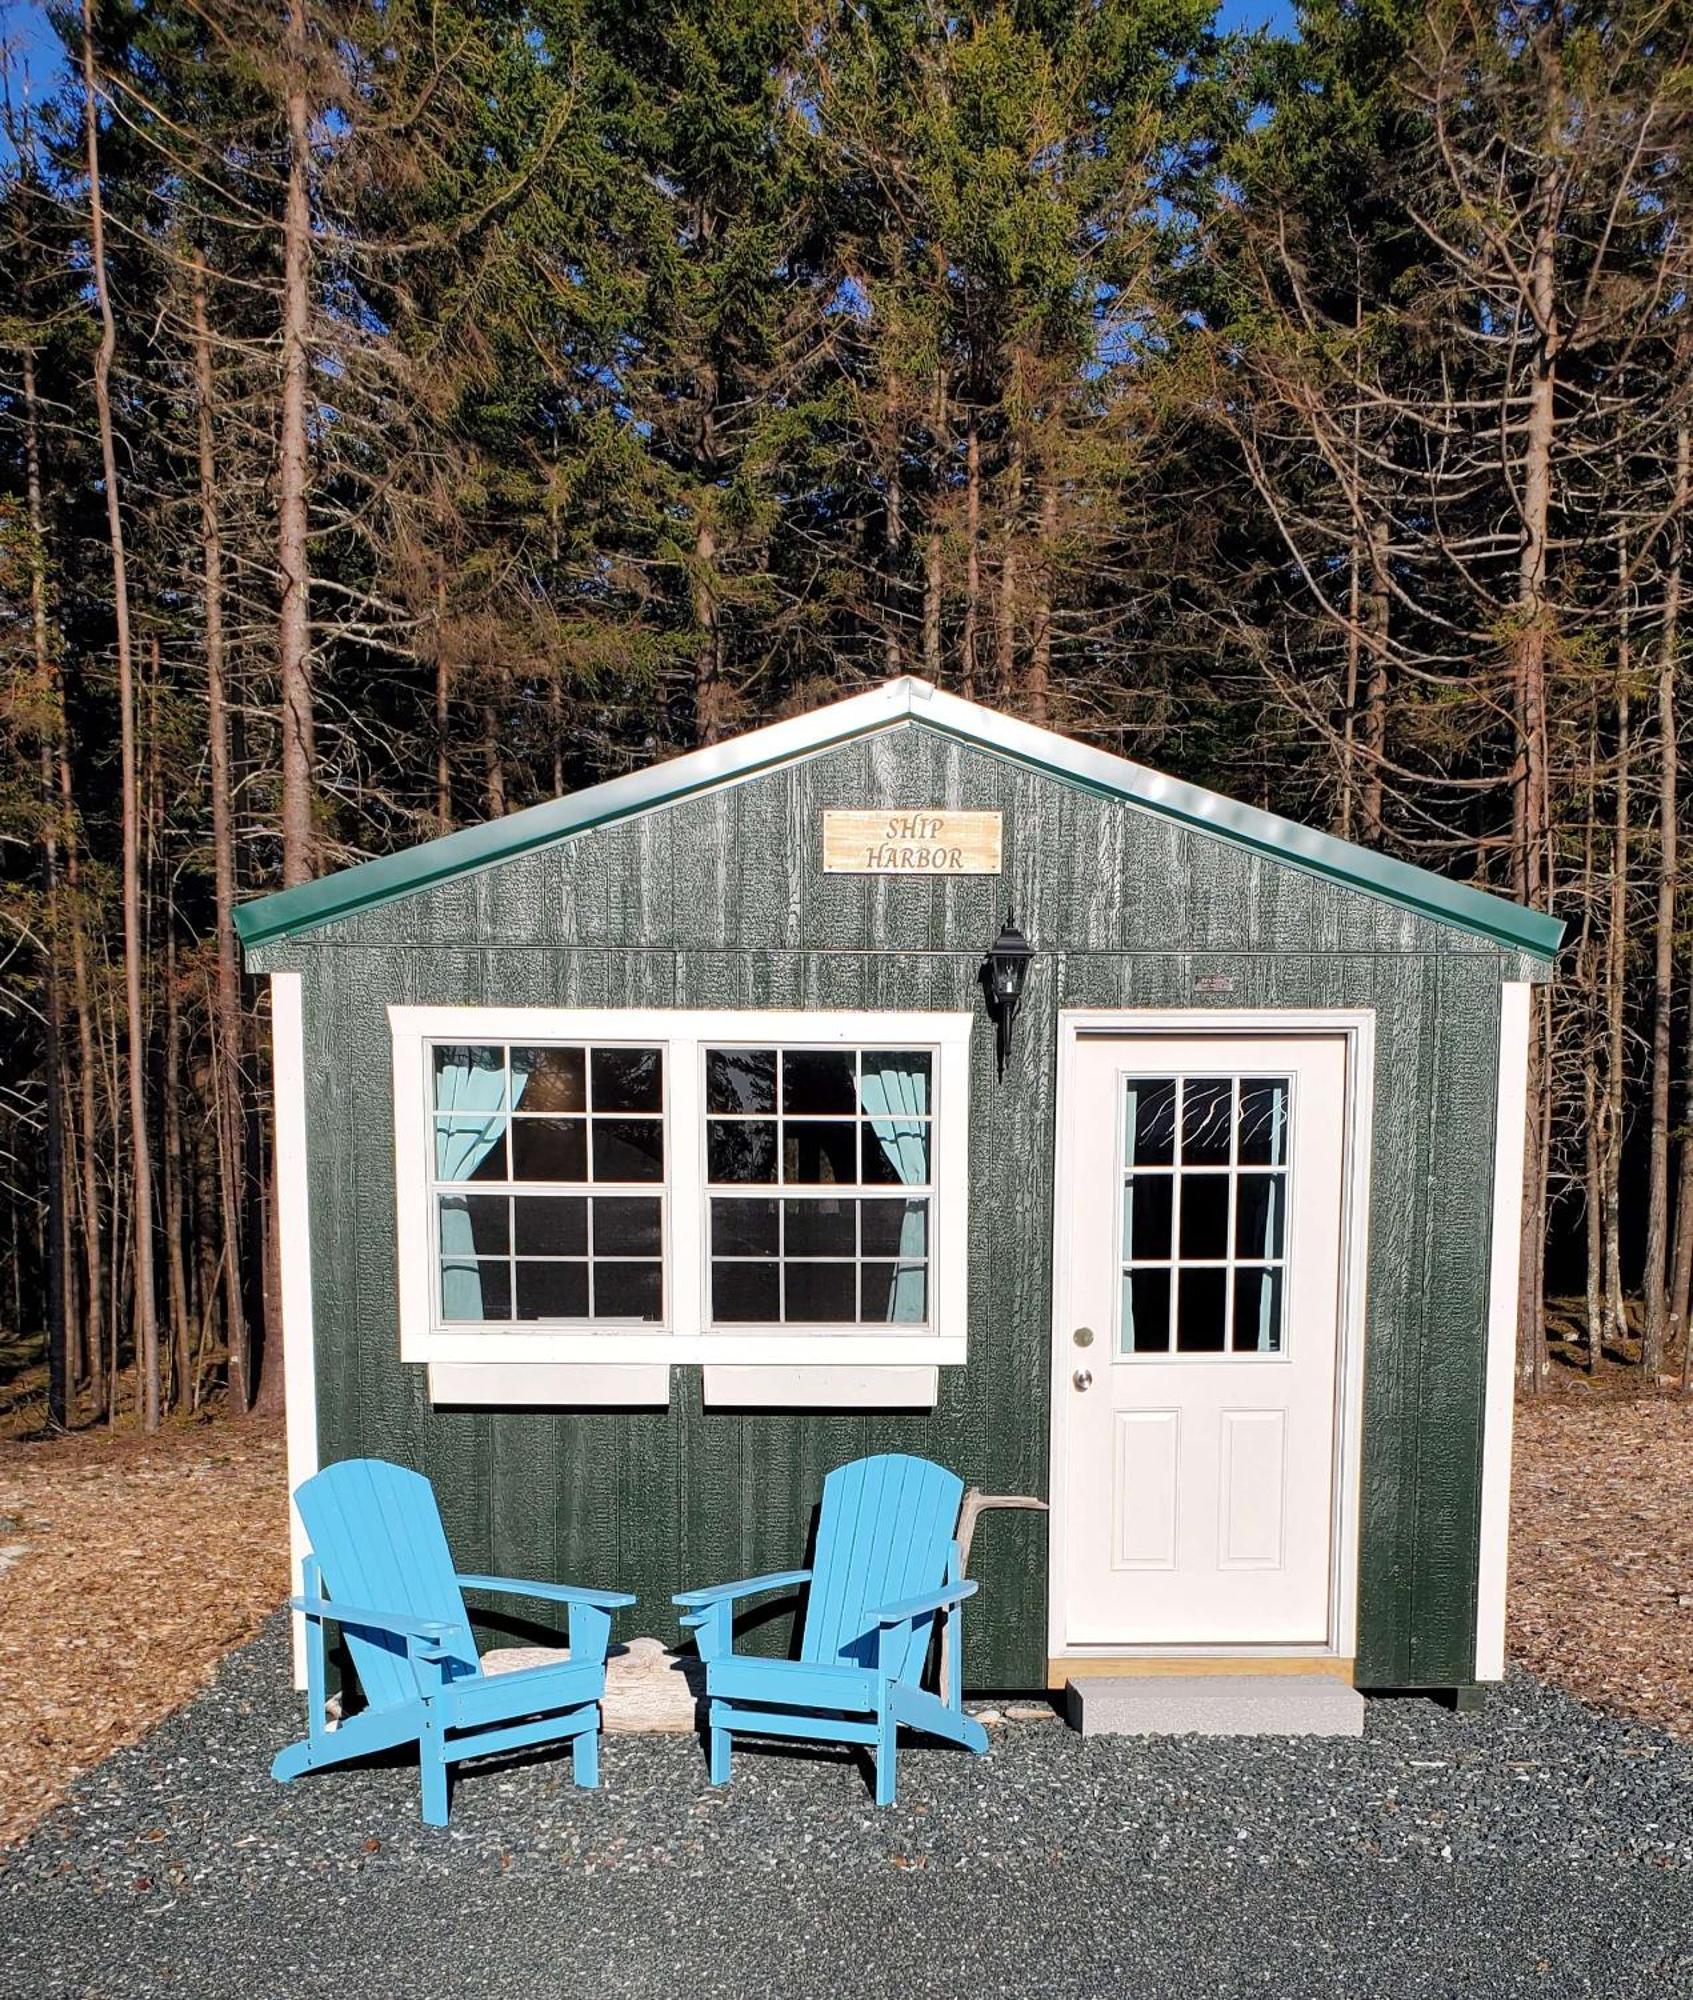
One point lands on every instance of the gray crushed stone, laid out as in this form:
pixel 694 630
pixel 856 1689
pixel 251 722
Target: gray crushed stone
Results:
pixel 1534 1848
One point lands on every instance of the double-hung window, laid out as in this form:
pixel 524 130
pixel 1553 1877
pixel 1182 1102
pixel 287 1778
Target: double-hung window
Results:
pixel 651 1185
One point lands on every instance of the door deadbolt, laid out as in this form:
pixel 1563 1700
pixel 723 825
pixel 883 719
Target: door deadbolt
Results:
pixel 1083 1336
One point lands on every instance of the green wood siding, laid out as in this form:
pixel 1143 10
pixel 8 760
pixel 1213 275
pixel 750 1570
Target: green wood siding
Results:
pixel 719 900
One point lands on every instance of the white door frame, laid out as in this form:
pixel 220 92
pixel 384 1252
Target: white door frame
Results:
pixel 1358 1027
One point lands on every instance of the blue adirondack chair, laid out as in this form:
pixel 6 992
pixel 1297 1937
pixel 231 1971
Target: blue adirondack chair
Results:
pixel 886 1568
pixel 380 1569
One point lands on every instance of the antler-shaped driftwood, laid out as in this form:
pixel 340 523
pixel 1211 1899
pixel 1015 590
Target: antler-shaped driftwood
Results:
pixel 976 1503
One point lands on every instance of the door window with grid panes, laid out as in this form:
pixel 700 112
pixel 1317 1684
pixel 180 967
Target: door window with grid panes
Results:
pixel 819 1176
pixel 1204 1215
pixel 548 1182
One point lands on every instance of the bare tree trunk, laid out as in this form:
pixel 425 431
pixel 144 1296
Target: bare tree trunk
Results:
pixel 493 761
pixel 175 1205
pixel 1005 634
pixel 443 713
pixel 972 553
pixel 1657 1285
pixel 893 542
pixel 228 1052
pixel 1037 700
pixel 1373 734
pixel 933 570
pixel 1615 1310
pixel 61 1317
pixel 293 554
pixel 141 1167
pixel 1529 775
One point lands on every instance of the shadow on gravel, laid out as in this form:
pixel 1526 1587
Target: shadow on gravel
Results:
pixel 1534 1848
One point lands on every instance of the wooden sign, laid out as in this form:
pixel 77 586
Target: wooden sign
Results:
pixel 911 842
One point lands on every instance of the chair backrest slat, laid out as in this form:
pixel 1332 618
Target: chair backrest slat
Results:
pixel 884 1533
pixel 376 1532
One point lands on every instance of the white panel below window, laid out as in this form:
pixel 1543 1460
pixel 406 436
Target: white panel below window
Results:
pixel 563 1385
pixel 752 1387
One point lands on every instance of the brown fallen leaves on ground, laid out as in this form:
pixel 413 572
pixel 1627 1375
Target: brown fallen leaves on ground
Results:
pixel 1602 1552
pixel 139 1563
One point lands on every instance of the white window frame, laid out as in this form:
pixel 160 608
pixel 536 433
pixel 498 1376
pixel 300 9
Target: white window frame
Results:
pixel 686 1336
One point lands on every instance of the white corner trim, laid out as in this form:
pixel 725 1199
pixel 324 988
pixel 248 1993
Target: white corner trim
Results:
pixel 739 1387
pixel 569 1386
pixel 1509 1137
pixel 294 1259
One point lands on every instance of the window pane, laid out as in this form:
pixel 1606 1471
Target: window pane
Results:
pixel 1263 1121
pixel 549 1149
pixel 628 1149
pixel 818 1155
pixel 744 1228
pixel 1199 1311
pixel 551 1225
pixel 894 1294
pixel 894 1228
pixel 469 1078
pixel 1146 1215
pixel 552 1291
pixel 470 1149
pixel 475 1225
pixel 472 1291
pixel 1260 1215
pixel 1205 1215
pixel 1146 1312
pixel 896 1152
pixel 819 1080
pixel 1151 1121
pixel 1207 1106
pixel 549 1079
pixel 628 1291
pixel 739 1151
pixel 628 1079
pixel 740 1079
pixel 821 1292
pixel 820 1228
pixel 742 1293
pixel 894 1080
pixel 626 1226
pixel 1257 1311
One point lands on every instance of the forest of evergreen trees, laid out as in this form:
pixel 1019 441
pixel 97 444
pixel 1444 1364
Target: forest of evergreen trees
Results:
pixel 412 410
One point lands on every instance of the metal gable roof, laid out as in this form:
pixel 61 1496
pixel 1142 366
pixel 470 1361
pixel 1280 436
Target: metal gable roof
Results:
pixel 289 911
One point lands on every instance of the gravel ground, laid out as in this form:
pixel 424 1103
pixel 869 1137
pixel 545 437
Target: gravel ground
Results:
pixel 1535 1848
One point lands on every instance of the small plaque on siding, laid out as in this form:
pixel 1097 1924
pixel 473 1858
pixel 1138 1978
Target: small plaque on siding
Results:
pixel 911 841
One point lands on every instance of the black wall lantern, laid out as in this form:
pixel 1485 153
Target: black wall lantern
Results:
pixel 1003 975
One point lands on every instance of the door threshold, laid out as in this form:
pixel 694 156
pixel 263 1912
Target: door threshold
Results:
pixel 1122 1665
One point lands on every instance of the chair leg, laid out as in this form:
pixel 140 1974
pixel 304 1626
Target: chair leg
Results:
pixel 585 1758
pixel 887 1741
pixel 432 1766
pixel 719 1753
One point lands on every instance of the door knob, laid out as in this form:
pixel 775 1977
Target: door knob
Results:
pixel 1083 1378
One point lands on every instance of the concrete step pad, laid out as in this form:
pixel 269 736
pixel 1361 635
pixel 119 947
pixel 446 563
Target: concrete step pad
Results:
pixel 1215 1705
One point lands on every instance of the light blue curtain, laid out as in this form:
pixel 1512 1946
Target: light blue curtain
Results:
pixel 896 1098
pixel 474 1090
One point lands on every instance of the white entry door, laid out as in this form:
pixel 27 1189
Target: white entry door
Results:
pixel 1198 1297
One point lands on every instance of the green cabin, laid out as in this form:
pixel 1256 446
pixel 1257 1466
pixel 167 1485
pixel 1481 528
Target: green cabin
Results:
pixel 647 1154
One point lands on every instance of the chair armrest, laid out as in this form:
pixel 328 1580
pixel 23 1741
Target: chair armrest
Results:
pixel 377 1621
pixel 556 1593
pixel 932 1600
pixel 748 1586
